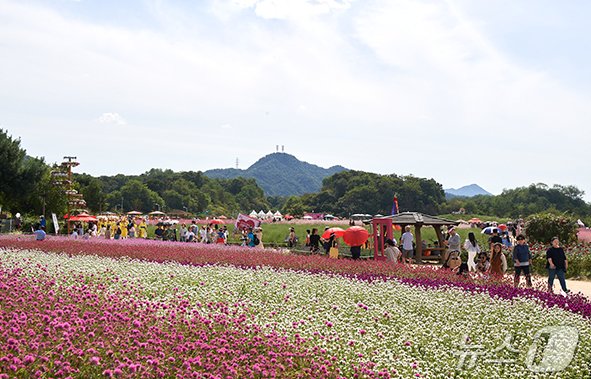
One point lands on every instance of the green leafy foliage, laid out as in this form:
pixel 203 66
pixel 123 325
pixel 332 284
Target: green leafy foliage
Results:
pixel 281 174
pixel 541 227
pixel 25 182
pixel 524 201
pixel 350 192
pixel 171 191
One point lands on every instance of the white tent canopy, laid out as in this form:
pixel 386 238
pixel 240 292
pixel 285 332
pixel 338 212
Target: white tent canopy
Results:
pixel 253 213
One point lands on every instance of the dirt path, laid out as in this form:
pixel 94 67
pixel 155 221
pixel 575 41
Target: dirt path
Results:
pixel 575 286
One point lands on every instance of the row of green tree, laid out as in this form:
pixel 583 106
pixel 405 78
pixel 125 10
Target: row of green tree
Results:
pixel 525 201
pixel 165 190
pixel 26 186
pixel 350 192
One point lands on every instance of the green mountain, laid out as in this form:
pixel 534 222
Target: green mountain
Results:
pixel 281 174
pixel 466 191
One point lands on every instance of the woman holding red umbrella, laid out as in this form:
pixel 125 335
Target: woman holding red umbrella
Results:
pixel 355 237
pixel 355 252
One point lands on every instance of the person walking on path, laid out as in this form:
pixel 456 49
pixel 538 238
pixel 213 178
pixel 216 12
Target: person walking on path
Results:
pixel 407 248
pixel 498 262
pixel 556 265
pixel 473 250
pixel 522 261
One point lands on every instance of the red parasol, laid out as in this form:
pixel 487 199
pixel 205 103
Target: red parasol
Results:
pixel 355 236
pixel 83 217
pixel 215 221
pixel 338 232
pixel 503 227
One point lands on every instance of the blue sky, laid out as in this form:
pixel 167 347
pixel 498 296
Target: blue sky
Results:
pixel 489 92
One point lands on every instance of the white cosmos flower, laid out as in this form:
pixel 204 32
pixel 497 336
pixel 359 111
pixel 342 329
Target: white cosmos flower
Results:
pixel 398 327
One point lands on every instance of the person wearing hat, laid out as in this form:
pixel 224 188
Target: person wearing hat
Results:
pixel 522 261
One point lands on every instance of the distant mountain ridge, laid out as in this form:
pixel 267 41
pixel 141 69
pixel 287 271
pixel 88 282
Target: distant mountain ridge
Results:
pixel 281 174
pixel 466 191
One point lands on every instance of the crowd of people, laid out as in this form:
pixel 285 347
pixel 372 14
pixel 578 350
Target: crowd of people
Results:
pixel 490 261
pixel 487 261
pixel 126 228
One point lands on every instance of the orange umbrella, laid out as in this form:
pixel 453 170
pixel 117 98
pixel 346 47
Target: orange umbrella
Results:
pixel 338 232
pixel 215 221
pixel 355 236
pixel 503 227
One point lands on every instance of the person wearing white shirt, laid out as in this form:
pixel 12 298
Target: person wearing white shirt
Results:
pixel 471 246
pixel 407 247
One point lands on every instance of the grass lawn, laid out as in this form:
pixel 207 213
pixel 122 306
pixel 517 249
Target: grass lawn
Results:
pixel 274 235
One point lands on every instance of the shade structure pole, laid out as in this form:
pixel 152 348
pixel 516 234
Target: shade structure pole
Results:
pixel 419 246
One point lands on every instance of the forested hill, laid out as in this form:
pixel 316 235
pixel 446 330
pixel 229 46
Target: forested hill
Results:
pixel 281 174
pixel 466 191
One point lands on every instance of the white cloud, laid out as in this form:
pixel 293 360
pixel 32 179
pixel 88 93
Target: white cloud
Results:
pixel 413 79
pixel 283 9
pixel 112 118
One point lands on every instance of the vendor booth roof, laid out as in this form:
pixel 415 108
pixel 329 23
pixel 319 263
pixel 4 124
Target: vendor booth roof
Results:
pixel 413 218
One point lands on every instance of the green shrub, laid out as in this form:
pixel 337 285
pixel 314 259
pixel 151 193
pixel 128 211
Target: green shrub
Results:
pixel 541 227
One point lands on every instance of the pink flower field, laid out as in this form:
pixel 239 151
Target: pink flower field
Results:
pixel 146 309
pixel 81 331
